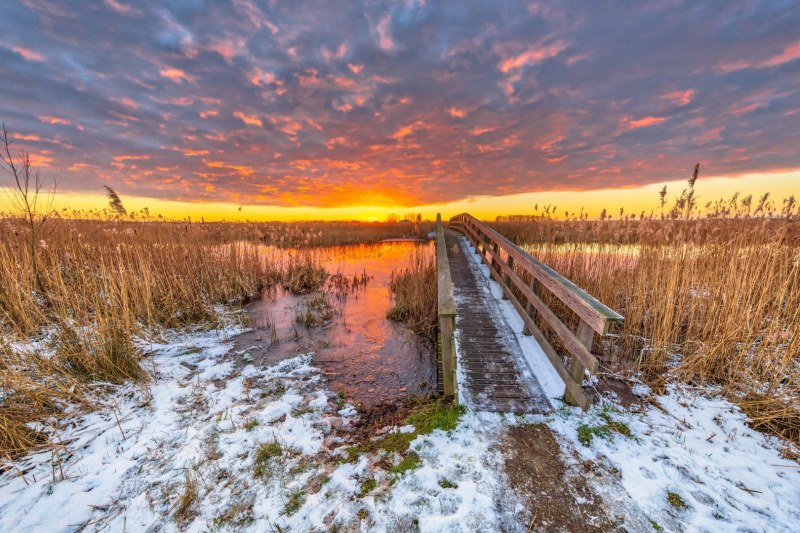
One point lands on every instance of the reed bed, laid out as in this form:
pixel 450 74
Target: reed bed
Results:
pixel 414 288
pixel 70 319
pixel 711 299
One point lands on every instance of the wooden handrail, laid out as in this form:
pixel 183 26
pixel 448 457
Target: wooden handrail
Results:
pixel 593 315
pixel 584 305
pixel 446 314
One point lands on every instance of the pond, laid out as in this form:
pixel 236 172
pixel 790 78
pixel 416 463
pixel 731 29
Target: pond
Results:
pixel 369 358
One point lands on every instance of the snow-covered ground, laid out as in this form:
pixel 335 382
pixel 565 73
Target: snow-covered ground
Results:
pixel 197 431
pixel 696 451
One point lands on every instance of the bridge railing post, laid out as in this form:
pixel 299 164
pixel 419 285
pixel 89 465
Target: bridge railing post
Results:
pixel 446 315
pixel 577 371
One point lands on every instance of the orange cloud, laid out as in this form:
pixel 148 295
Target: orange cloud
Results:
pixel 355 69
pixel 41 160
pixel 54 120
pixel 175 74
pixel 127 157
pixel 457 113
pixel 643 122
pixel 250 120
pixel 242 170
pixel 32 137
pixel 476 131
pixel 208 113
pixel 405 131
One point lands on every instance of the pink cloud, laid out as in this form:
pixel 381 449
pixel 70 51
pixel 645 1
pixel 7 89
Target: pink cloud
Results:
pixel 790 53
pixel 531 56
pixel 28 54
pixel 383 28
pixel 54 120
pixel 680 98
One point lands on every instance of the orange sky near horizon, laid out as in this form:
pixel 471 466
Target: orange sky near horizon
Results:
pixel 780 185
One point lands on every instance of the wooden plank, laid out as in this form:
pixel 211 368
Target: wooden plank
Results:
pixel 572 343
pixel 594 313
pixel 570 386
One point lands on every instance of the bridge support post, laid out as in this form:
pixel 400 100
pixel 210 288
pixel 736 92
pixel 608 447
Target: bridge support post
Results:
pixel 577 371
pixel 447 330
pixel 446 311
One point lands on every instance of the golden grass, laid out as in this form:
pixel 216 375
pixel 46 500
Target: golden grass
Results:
pixel 101 281
pixel 708 300
pixel 415 295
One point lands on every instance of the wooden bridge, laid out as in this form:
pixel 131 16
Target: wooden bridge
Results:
pixel 481 356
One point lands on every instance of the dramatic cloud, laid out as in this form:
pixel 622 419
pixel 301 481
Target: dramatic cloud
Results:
pixel 396 103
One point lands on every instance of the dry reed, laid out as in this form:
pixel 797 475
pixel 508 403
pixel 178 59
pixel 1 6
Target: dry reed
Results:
pixel 708 300
pixel 415 295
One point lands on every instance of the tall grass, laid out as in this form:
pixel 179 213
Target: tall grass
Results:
pixel 415 295
pixel 73 323
pixel 706 299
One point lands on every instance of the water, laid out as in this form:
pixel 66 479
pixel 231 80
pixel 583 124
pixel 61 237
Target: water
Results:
pixel 364 355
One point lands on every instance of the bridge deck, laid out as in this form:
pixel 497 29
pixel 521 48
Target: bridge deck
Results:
pixel 496 377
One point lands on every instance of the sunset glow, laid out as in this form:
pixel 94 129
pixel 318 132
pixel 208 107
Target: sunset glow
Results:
pixel 296 110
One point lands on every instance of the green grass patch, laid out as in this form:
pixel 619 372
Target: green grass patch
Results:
pixel 425 418
pixel 368 486
pixel 294 500
pixel 300 411
pixel 409 462
pixel 264 455
pixel 675 500
pixel 251 424
pixel 586 433
pixel 447 484
pixel 341 399
pixel 436 416
pixel 656 525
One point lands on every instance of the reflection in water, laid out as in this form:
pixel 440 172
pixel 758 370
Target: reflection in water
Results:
pixel 371 359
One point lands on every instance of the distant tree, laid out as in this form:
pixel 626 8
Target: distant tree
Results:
pixel 115 203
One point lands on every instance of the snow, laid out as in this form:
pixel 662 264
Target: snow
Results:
pixel 536 360
pixel 699 447
pixel 203 417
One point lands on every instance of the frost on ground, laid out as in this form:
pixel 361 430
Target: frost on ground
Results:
pixel 217 445
pixel 688 463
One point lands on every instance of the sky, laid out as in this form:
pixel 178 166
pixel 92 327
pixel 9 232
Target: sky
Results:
pixel 353 109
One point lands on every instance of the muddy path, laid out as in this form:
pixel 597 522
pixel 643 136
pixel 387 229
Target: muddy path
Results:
pixel 554 492
pixel 369 359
